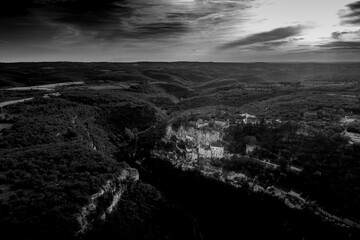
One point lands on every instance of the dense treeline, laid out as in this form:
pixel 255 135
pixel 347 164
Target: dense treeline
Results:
pixel 327 105
pixel 331 167
pixel 53 158
pixel 354 127
pixel 15 95
pixel 57 153
pixel 331 172
pixel 271 139
pixel 14 74
pixel 44 187
pixel 145 213
pixel 44 121
pixel 231 98
pixel 95 120
pixel 222 211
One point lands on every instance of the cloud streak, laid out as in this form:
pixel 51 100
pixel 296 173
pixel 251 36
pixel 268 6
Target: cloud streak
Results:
pixel 353 17
pixel 275 34
pixel 345 34
pixel 112 20
pixel 341 45
pixel 175 29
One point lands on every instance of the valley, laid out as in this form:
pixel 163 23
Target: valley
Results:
pixel 180 150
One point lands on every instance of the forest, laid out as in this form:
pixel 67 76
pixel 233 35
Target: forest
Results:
pixel 330 165
pixel 46 185
pixel 60 149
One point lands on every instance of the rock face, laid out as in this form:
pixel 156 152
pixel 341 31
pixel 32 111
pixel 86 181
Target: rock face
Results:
pixel 200 136
pixel 105 200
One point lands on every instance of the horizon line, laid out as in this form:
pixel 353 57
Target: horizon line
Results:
pixel 227 62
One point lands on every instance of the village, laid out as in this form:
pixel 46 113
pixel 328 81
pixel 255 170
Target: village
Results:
pixel 204 138
pixel 204 141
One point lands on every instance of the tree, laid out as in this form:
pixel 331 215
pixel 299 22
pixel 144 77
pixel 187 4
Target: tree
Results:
pixel 70 134
pixel 283 163
pixel 129 134
pixel 173 139
pixel 354 127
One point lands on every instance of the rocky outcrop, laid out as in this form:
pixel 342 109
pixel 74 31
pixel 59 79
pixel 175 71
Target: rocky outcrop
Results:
pixel 200 136
pixel 105 200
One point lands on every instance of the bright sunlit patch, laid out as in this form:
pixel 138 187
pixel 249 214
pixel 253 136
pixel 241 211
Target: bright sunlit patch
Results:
pixel 320 16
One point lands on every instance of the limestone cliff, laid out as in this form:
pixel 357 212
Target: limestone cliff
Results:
pixel 105 200
pixel 199 136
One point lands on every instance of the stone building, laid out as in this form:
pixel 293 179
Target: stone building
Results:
pixel 217 150
pixel 204 151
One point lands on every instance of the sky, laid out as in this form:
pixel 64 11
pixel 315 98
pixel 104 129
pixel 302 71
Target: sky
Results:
pixel 180 30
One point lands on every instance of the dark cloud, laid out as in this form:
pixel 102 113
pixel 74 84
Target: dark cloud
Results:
pixel 339 35
pixel 354 6
pixel 80 13
pixel 113 20
pixel 11 8
pixel 25 28
pixel 24 7
pixel 187 15
pixel 336 35
pixel 341 45
pixel 161 28
pixel 276 34
pixel 101 19
pixel 89 15
pixel 353 17
pixel 267 46
pixel 276 43
pixel 260 48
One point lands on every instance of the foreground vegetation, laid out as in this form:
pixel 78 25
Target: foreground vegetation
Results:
pixel 61 149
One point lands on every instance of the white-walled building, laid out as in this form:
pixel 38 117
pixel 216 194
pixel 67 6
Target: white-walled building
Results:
pixel 249 119
pixel 221 123
pixel 217 151
pixel 200 124
pixel 204 151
